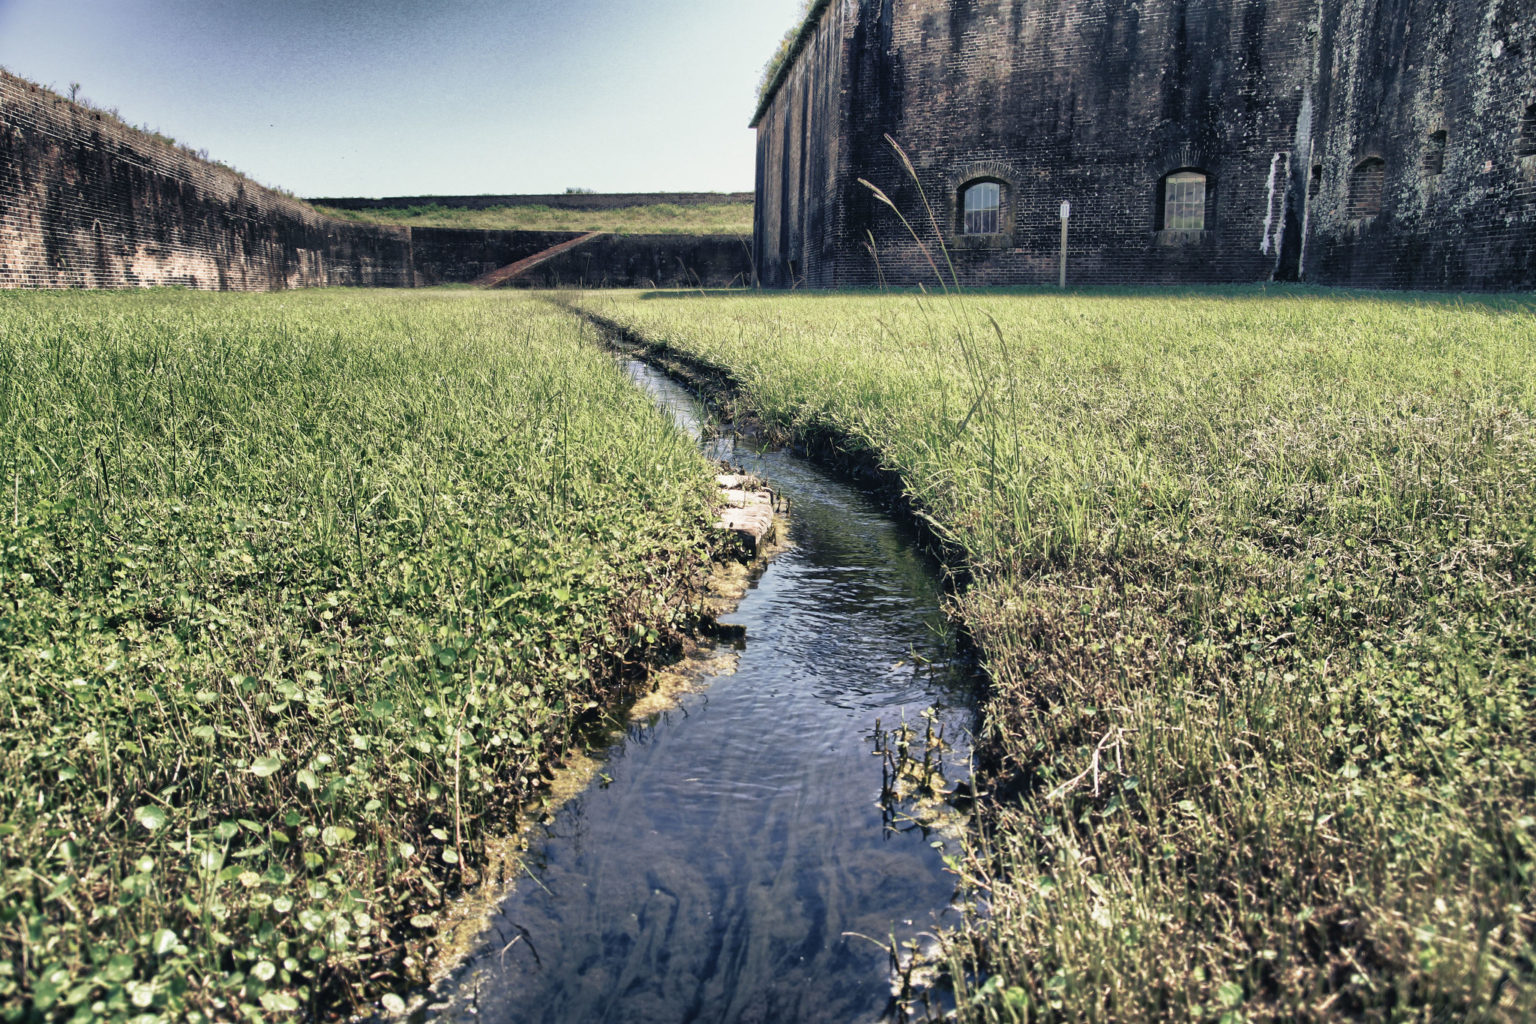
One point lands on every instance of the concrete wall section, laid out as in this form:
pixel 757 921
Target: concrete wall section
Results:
pixel 87 202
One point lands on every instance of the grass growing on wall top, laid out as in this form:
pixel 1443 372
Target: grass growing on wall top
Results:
pixel 1253 575
pixel 659 219
pixel 300 595
pixel 147 131
pixel 788 48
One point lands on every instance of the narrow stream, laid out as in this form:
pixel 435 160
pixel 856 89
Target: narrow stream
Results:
pixel 737 861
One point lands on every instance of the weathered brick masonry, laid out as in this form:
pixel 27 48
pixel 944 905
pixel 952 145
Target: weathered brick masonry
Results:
pixel 457 256
pixel 1386 143
pixel 451 255
pixel 1426 85
pixel 87 202
pixel 648 261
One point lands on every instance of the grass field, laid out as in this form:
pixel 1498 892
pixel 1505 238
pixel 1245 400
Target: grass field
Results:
pixel 662 219
pixel 300 595
pixel 1253 576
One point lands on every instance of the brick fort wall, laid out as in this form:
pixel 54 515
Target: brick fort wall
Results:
pixel 1381 143
pixel 648 261
pixel 458 256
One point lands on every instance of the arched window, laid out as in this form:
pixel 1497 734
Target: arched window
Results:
pixel 1525 145
pixel 1366 184
pixel 1183 201
pixel 983 205
pixel 1434 154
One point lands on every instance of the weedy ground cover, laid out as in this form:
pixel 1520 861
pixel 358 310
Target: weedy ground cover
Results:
pixel 1253 575
pixel 659 219
pixel 300 596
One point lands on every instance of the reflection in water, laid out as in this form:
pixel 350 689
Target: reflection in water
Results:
pixel 733 865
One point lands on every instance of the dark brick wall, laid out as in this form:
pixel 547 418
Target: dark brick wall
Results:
pixel 454 256
pixel 648 261
pixel 1395 73
pixel 87 202
pixel 1094 101
pixel 601 201
pixel 796 230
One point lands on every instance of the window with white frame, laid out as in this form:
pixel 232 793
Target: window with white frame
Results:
pixel 1184 201
pixel 983 205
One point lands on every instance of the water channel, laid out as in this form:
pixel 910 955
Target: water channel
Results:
pixel 736 861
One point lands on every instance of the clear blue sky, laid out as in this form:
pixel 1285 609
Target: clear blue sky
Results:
pixel 407 97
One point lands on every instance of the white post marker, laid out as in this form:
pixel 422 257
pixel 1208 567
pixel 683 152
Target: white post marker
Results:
pixel 1066 215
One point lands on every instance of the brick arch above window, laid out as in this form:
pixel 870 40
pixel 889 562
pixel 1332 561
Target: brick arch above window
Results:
pixel 983 170
pixel 1181 155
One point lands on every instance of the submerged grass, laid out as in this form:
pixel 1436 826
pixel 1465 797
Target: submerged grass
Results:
pixel 300 598
pixel 657 219
pixel 1253 574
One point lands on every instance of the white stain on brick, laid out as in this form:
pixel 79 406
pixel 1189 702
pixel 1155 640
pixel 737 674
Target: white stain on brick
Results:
pixel 1273 223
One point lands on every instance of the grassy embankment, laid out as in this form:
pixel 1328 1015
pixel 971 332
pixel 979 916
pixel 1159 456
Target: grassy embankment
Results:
pixel 1253 575
pixel 299 597
pixel 661 219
